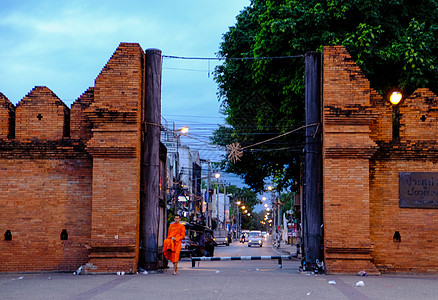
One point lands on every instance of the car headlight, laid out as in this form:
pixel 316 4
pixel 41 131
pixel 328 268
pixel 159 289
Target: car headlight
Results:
pixel 250 241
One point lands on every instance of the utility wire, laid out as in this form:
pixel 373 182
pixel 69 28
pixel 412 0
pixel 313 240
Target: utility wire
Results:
pixel 233 58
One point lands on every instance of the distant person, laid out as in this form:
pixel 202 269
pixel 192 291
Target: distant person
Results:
pixel 172 245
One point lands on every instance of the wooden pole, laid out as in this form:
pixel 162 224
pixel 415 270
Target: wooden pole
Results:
pixel 149 218
pixel 313 161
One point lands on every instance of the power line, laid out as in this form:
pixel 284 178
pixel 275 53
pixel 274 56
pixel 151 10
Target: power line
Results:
pixel 233 58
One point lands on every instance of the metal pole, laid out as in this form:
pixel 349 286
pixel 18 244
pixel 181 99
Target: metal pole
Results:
pixel 217 204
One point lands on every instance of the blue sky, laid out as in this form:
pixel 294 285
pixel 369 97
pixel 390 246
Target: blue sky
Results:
pixel 64 44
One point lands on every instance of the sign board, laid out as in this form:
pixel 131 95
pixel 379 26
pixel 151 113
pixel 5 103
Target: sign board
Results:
pixel 172 147
pixel 418 189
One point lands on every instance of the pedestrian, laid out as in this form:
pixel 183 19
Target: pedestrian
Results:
pixel 172 244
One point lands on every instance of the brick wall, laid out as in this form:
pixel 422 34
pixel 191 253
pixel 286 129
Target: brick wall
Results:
pixel 347 147
pixel 115 147
pixel 40 198
pixel 78 172
pixel 361 167
pixel 80 125
pixel 7 118
pixel 41 115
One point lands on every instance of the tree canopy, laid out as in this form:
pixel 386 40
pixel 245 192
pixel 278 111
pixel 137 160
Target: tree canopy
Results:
pixel 393 41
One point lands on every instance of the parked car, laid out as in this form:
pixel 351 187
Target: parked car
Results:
pixel 198 241
pixel 221 237
pixel 255 238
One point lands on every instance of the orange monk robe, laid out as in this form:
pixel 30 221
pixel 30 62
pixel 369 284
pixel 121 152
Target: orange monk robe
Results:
pixel 172 248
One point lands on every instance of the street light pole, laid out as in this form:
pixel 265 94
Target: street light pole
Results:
pixel 208 195
pixel 217 175
pixel 238 219
pixel 225 205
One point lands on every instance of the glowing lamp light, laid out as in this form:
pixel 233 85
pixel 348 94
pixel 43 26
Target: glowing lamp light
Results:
pixel 395 98
pixel 184 130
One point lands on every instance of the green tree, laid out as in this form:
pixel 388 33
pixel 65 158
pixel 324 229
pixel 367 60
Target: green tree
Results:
pixel 394 42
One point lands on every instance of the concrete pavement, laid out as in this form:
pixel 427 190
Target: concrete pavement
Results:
pixel 219 280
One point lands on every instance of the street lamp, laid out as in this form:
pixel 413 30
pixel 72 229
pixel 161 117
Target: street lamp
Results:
pixel 395 97
pixel 238 219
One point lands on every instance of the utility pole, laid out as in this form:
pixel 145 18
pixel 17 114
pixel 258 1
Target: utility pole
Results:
pixel 217 203
pixel 149 204
pixel 312 196
pixel 225 205
pixel 208 194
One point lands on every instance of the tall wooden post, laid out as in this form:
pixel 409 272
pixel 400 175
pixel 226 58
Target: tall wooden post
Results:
pixel 149 206
pixel 312 197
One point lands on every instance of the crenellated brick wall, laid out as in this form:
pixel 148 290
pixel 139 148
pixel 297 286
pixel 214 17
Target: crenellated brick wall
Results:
pixel 74 171
pixel 115 147
pixel 41 115
pixel 7 118
pixel 362 162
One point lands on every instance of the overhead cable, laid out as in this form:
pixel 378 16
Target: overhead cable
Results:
pixel 233 58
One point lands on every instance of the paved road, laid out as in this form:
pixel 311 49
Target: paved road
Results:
pixel 219 280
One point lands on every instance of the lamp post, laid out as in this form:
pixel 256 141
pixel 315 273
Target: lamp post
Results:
pixel 217 175
pixel 395 99
pixel 225 206
pixel 238 219
pixel 177 133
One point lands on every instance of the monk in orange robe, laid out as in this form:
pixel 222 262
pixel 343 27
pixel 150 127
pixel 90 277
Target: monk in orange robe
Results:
pixel 172 245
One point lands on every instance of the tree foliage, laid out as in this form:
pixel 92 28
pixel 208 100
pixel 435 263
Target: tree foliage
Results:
pixel 393 41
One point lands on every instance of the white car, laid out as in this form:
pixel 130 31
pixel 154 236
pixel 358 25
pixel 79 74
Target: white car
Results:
pixel 255 238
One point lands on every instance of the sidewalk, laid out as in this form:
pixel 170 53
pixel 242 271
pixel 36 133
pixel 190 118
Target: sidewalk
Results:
pixel 288 250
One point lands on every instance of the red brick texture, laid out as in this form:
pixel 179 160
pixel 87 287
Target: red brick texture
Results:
pixel 115 147
pixel 7 115
pixel 361 168
pixel 77 170
pixel 41 115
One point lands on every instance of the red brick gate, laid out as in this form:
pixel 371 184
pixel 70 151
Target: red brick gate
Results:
pixel 70 178
pixel 362 168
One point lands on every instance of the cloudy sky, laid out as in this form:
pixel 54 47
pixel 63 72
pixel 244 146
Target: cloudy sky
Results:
pixel 64 44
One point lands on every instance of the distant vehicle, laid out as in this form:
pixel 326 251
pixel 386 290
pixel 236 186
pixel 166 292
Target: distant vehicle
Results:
pixel 198 241
pixel 255 238
pixel 221 237
pixel 244 236
pixel 264 234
